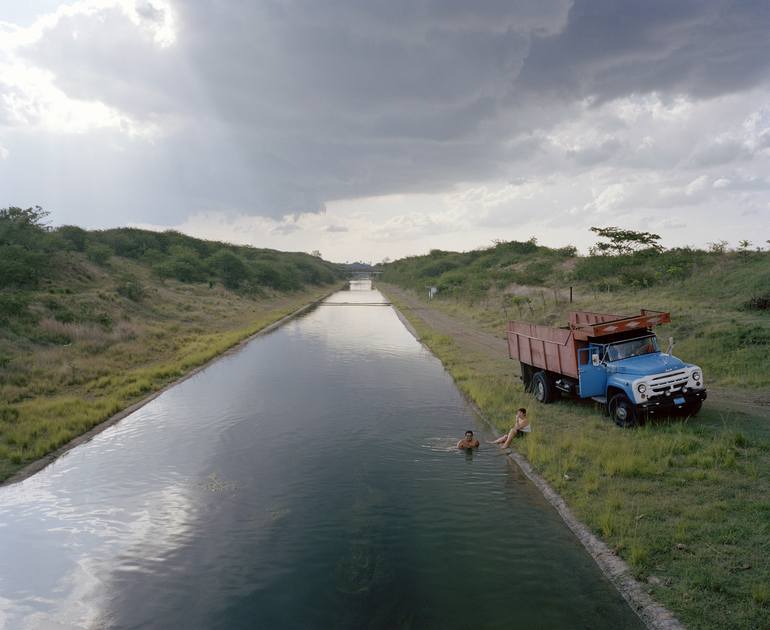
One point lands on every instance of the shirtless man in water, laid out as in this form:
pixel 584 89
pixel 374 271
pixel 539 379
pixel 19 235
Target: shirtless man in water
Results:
pixel 468 441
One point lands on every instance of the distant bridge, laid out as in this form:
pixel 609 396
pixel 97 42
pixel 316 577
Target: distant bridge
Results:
pixel 370 274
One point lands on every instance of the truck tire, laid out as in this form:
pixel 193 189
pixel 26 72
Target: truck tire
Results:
pixel 526 377
pixel 622 411
pixel 542 388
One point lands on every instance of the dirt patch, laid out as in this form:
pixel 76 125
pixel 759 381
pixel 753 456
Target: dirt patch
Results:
pixel 461 330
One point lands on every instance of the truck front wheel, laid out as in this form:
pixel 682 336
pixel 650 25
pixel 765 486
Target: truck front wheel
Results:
pixel 622 411
pixel 542 387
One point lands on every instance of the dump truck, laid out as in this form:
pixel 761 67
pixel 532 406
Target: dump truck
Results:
pixel 612 359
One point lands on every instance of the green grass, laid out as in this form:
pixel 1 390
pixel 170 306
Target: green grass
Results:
pixel 684 501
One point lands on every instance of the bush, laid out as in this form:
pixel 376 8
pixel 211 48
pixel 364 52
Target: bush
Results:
pixel 99 253
pixel 436 268
pixel 12 306
pixel 25 246
pixel 21 267
pixel 75 238
pixel 758 303
pixel 538 271
pixel 229 267
pixel 184 264
pixel 275 276
pixel 129 287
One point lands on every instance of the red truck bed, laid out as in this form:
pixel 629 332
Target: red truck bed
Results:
pixel 556 349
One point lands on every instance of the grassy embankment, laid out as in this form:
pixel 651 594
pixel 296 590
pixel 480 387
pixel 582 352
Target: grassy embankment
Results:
pixel 86 332
pixel 686 502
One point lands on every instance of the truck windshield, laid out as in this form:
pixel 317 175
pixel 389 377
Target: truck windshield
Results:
pixel 632 348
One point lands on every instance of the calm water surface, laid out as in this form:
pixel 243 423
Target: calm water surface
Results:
pixel 308 481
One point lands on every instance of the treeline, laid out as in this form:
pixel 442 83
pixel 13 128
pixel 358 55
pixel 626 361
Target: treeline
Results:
pixel 474 273
pixel 29 251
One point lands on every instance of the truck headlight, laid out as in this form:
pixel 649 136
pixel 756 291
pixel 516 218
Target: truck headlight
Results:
pixel 641 388
pixel 696 375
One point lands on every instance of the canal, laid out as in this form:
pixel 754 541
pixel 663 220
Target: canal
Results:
pixel 307 481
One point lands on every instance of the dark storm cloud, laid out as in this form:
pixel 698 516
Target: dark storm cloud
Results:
pixel 694 47
pixel 277 107
pixel 282 106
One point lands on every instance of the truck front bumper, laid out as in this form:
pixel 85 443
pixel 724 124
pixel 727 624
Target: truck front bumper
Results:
pixel 669 404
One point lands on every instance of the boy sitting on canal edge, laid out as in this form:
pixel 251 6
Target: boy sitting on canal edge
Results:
pixel 521 427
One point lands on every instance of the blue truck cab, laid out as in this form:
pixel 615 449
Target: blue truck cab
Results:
pixel 633 378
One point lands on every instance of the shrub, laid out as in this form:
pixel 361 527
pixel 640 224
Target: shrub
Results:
pixel 12 306
pixel 229 267
pixel 25 246
pixel 436 268
pixel 274 275
pixel 99 253
pixel 21 267
pixel 758 303
pixel 538 271
pixel 129 287
pixel 184 264
pixel 76 238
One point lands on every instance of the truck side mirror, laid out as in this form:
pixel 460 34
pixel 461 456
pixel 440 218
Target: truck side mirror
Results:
pixel 595 359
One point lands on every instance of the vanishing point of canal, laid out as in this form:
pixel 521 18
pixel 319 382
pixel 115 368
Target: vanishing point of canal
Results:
pixel 307 481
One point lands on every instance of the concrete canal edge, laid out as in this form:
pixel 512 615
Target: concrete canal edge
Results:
pixel 44 461
pixel 653 615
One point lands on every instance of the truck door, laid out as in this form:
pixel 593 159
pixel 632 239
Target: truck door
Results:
pixel 593 375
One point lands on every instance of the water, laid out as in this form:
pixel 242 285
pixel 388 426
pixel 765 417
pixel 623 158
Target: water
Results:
pixel 307 481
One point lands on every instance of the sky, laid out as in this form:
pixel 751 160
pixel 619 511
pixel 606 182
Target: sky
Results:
pixel 373 129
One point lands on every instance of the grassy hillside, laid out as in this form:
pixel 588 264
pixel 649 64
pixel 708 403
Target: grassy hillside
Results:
pixel 719 301
pixel 91 321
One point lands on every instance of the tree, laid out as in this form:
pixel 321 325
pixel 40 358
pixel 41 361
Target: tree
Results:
pixel 75 237
pixel 25 246
pixel 622 241
pixel 316 253
pixel 743 248
pixel 230 268
pixel 718 247
pixel 99 253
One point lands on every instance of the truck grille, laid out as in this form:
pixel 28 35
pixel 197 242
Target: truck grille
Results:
pixel 669 383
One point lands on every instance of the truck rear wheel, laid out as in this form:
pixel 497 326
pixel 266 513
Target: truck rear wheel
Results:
pixel 622 411
pixel 542 388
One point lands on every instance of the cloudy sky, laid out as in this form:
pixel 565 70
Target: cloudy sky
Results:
pixel 374 128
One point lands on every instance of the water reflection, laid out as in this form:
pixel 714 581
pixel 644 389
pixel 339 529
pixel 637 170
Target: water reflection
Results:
pixel 308 481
